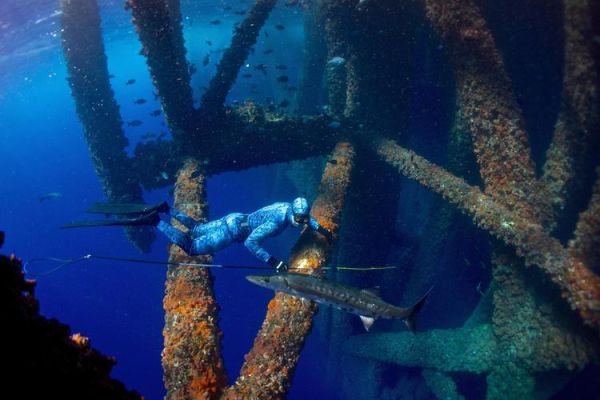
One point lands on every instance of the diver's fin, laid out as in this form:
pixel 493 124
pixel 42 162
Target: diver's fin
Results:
pixel 124 208
pixel 148 219
pixel 412 312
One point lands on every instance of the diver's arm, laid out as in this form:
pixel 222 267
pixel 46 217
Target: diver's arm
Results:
pixel 257 236
pixel 315 226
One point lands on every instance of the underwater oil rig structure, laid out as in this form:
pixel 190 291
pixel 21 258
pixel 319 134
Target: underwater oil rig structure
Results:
pixel 521 335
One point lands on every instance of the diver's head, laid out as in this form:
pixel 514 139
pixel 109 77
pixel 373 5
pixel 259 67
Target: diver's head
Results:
pixel 300 211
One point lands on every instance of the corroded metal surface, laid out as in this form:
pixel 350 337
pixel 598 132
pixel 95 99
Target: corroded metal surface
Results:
pixel 193 368
pixel 269 366
pixel 579 285
pixel 97 108
pixel 158 24
pixel 487 104
pixel 586 243
pixel 243 39
pixel 575 132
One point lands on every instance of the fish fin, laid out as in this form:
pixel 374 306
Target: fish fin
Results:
pixel 367 322
pixel 412 312
pixel 374 291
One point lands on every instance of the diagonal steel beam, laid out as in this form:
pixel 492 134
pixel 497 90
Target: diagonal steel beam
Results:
pixel 269 366
pixel 244 38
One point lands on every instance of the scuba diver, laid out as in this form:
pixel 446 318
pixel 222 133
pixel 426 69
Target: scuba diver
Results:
pixel 210 237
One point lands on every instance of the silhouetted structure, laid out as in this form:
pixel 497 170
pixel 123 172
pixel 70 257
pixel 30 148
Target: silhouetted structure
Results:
pixel 518 331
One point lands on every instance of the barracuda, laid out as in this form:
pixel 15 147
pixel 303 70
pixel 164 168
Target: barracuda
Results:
pixel 365 303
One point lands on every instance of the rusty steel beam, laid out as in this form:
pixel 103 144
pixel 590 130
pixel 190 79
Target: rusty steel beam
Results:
pixel 249 139
pixel 586 243
pixel 578 121
pixel 269 366
pixel 579 285
pixel 192 363
pixel 158 24
pixel 244 38
pixel 487 104
pixel 97 108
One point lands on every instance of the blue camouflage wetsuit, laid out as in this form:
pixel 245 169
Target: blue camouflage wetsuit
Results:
pixel 251 229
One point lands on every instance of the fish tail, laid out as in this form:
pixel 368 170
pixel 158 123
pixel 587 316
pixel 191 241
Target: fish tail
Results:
pixel 412 312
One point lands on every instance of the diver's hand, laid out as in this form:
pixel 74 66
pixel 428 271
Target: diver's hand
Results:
pixel 280 266
pixel 328 235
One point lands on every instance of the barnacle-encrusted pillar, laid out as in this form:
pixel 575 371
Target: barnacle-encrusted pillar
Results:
pixel 337 15
pixel 97 109
pixel 158 24
pixel 192 363
pixel 487 104
pixel 576 135
pixel 243 39
pixel 269 366
pixel 313 64
pixel 585 245
pixel 578 284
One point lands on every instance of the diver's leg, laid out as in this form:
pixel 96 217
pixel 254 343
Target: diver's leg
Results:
pixel 185 219
pixel 177 237
pixel 210 238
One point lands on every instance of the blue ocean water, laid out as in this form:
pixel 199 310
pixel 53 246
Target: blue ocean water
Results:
pixel 119 305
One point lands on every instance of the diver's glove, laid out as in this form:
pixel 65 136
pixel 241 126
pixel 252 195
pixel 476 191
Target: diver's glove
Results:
pixel 280 266
pixel 328 235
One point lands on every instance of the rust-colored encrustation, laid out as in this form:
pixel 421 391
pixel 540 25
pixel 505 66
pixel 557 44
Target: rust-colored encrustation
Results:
pixel 487 104
pixel 193 368
pixel 269 366
pixel 579 285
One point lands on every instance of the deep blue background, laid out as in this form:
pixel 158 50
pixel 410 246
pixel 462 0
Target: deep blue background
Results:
pixel 119 305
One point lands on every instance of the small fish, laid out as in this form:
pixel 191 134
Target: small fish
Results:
pixel 333 161
pixel 335 125
pixel 164 175
pixel 134 123
pixel 192 69
pixel 50 196
pixel 130 82
pixel 246 76
pixel 206 60
pixel 336 61
pixel 268 51
pixel 226 8
pixel 279 27
pixel 283 78
pixel 155 113
pixel 280 67
pixel 155 95
pixel 140 101
pixel 365 303
pixel 261 67
pixel 240 12
pixel 215 22
pixel 266 34
pixel 292 88
pixel 110 76
pixel 208 42
pixel 284 103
